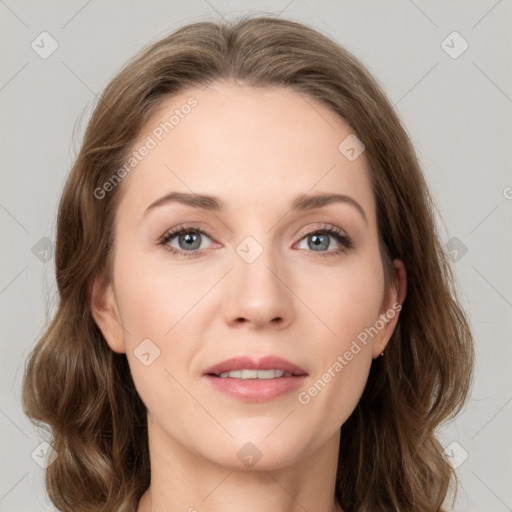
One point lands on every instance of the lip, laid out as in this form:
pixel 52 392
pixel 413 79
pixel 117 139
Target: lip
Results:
pixel 255 390
pixel 248 363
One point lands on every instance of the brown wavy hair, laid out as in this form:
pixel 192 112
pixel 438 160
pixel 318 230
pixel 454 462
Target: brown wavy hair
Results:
pixel 78 388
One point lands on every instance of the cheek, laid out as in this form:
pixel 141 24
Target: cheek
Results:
pixel 347 300
pixel 153 299
pixel 158 337
pixel 161 308
pixel 348 308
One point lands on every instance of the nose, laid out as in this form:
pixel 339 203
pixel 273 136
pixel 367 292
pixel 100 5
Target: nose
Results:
pixel 258 293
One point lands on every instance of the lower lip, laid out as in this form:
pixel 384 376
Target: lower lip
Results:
pixel 256 390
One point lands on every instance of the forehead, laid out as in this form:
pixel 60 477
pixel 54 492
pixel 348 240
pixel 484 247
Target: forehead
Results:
pixel 251 145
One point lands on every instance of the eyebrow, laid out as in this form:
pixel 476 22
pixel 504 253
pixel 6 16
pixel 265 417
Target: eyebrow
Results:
pixel 302 202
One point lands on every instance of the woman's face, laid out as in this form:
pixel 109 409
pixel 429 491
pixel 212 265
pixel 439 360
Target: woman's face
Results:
pixel 255 275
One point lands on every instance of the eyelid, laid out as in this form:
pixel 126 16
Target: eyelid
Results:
pixel 320 226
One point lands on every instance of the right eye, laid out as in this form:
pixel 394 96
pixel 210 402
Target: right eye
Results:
pixel 187 237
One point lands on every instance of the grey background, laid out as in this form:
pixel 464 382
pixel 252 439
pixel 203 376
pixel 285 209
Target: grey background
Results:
pixel 456 110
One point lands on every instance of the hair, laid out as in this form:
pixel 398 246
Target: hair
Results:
pixel 389 458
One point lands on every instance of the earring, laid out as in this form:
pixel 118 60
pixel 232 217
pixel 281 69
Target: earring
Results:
pixel 382 354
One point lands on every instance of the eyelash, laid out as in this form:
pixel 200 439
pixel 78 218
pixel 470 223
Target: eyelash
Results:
pixel 336 233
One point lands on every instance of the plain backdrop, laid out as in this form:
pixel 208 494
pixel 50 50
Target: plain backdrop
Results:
pixel 446 66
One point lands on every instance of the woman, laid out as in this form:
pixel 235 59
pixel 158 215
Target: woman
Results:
pixel 245 230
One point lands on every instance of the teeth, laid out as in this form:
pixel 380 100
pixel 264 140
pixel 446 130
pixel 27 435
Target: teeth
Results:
pixel 255 374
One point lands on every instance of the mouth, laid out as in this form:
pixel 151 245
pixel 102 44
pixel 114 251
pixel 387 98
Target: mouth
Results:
pixel 252 380
pixel 247 374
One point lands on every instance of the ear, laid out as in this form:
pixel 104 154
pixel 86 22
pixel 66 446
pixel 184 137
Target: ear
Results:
pixel 106 314
pixel 391 306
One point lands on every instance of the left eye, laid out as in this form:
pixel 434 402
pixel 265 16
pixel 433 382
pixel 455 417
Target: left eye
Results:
pixel 318 241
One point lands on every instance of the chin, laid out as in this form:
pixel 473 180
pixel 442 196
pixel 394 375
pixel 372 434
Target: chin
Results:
pixel 257 453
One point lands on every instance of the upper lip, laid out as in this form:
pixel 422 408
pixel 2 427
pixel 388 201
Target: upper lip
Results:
pixel 249 363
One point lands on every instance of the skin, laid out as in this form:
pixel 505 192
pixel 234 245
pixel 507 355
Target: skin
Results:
pixel 255 149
